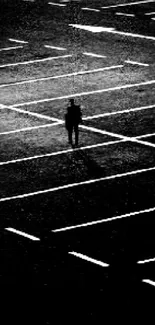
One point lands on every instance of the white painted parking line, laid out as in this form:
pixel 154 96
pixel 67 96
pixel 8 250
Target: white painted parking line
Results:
pixel 35 61
pixel 94 55
pixel 103 144
pixel 92 129
pixel 132 35
pixel 72 185
pixel 137 63
pixel 124 14
pixel 127 215
pixel 17 41
pixel 90 9
pixel 149 282
pixel 97 29
pixel 125 111
pixel 38 115
pixel 128 4
pixel 89 259
pixel 11 48
pixel 86 93
pixel 56 4
pixel 146 261
pixel 93 29
pixel 153 18
pixel 31 128
pixel 119 136
pixel 145 135
pixel 21 233
pixel 150 13
pixel 60 76
pixel 55 47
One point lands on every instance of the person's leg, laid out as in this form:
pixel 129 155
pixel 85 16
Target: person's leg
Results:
pixel 70 132
pixel 76 130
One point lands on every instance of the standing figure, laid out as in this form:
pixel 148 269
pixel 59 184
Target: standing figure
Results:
pixel 72 119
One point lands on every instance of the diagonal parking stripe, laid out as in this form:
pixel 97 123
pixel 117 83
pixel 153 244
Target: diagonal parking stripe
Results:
pixel 60 76
pixel 92 223
pixel 3 163
pixel 68 186
pixel 86 93
pixel 88 259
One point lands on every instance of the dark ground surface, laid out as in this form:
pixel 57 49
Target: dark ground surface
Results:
pixel 59 284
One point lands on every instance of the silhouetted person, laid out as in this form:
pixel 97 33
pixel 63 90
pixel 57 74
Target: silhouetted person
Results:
pixel 72 119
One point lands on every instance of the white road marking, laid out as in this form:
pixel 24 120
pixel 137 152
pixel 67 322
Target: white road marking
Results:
pixel 145 135
pixel 103 144
pixel 94 55
pixel 90 9
pixel 11 48
pixel 137 63
pixel 93 29
pixel 68 186
pixel 55 47
pixel 150 13
pixel 60 76
pixel 146 261
pixel 21 233
pixel 119 136
pixel 97 29
pixel 35 61
pixel 89 259
pixel 124 14
pixel 17 41
pixel 31 128
pixel 153 18
pixel 105 220
pixel 86 93
pixel 149 282
pixel 128 4
pixel 56 4
pixel 132 35
pixel 119 112
pixel 38 115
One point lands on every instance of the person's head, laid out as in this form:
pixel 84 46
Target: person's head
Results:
pixel 71 101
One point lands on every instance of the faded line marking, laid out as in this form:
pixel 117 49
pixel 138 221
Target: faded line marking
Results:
pixel 104 144
pixel 21 233
pixel 105 220
pixel 145 83
pixel 35 61
pixel 88 259
pixel 67 186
